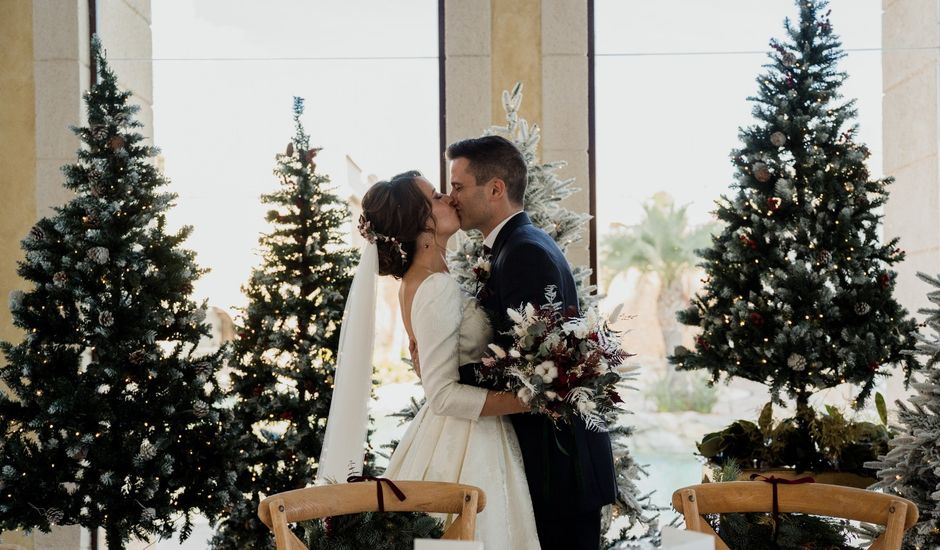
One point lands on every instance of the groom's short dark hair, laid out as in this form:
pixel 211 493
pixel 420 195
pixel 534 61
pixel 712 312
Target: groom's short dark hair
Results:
pixel 493 157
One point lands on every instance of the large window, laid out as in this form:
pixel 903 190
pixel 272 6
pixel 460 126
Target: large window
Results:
pixel 672 78
pixel 224 77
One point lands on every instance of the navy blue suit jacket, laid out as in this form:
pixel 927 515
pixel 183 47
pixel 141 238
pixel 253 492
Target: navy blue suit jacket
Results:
pixel 570 469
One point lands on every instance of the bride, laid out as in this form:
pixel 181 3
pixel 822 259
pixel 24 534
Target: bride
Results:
pixel 461 434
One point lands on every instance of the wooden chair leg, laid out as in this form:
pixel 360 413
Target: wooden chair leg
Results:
pixel 894 530
pixel 465 524
pixel 693 520
pixel 284 538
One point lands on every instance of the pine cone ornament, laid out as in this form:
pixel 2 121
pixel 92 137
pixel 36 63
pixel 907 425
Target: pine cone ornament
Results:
pixel 105 318
pixel 98 254
pixel 862 308
pixel 148 515
pixel 147 450
pixel 796 362
pixel 116 142
pixel 789 59
pixel 824 257
pixel 36 233
pixel 778 139
pixel 200 409
pixel 54 515
pixel 761 172
pixel 137 357
pixel 290 149
pixel 60 278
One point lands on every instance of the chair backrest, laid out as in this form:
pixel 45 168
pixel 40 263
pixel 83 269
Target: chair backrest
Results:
pixel 277 511
pixel 895 513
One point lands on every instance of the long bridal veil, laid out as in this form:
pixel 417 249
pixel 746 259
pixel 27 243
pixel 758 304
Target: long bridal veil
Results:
pixel 346 426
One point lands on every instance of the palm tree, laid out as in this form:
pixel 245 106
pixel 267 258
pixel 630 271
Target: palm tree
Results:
pixel 662 243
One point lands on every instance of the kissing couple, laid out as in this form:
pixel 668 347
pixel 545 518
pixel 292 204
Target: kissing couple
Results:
pixel 545 482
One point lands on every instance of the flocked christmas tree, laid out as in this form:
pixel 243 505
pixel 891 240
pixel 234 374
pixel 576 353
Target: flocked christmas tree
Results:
pixel 284 354
pixel 798 293
pixel 113 420
pixel 912 468
pixel 544 192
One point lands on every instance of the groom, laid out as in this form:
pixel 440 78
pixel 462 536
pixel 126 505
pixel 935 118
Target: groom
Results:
pixel 569 468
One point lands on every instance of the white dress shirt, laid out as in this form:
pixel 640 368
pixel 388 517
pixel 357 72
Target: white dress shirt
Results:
pixel 490 239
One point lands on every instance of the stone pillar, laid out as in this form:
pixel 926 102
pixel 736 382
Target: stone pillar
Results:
pixel 44 72
pixel 492 44
pixel 910 113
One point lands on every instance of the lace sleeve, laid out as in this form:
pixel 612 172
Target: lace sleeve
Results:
pixel 435 319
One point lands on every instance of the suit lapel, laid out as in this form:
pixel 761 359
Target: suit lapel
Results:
pixel 517 221
pixel 488 296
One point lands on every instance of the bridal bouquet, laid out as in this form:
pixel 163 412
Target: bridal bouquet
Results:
pixel 562 365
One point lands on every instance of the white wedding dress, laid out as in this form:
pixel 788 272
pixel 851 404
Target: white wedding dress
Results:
pixel 448 440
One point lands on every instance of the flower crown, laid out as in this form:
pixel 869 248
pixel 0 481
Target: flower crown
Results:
pixel 366 230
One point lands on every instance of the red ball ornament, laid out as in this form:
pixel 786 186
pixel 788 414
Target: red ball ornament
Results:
pixel 702 343
pixel 773 203
pixel 757 319
pixel 884 280
pixel 748 242
pixel 287 415
pixel 873 366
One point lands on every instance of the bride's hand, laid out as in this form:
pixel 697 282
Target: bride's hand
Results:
pixel 413 351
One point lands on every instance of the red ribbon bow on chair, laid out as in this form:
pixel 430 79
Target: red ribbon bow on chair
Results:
pixel 774 481
pixel 378 488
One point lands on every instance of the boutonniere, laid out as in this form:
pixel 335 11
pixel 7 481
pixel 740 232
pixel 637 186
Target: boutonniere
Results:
pixel 481 270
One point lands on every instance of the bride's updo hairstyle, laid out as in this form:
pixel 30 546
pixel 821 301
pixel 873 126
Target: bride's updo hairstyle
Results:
pixel 395 213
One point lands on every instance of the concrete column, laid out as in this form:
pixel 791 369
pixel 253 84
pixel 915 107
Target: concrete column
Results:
pixel 44 72
pixel 911 98
pixel 492 44
pixel 565 102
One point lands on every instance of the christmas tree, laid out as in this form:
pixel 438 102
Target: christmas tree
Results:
pixel 112 419
pixel 545 190
pixel 798 293
pixel 284 356
pixel 912 468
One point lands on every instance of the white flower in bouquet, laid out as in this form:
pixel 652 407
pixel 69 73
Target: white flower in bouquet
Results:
pixel 577 328
pixel 547 370
pixel 499 352
pixel 525 394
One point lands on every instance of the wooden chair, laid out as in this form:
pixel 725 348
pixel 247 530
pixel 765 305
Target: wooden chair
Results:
pixel 277 511
pixel 895 513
